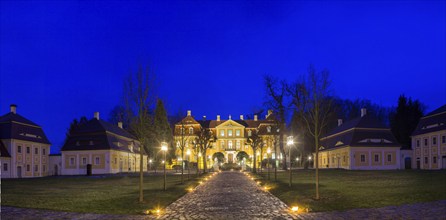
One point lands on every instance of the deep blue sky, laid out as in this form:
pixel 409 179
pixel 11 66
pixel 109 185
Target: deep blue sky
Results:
pixel 60 60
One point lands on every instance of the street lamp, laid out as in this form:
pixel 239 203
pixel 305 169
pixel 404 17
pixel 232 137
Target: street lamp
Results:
pixel 164 149
pixel 150 164
pixel 268 151
pixel 290 143
pixel 188 161
pixel 309 160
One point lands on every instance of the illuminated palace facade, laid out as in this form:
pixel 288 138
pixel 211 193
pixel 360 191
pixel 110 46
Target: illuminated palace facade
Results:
pixel 231 137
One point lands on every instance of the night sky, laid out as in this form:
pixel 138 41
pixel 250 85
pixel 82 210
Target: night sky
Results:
pixel 61 60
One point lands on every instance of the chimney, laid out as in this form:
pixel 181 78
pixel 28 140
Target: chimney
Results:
pixel 241 117
pixel 218 117
pixel 120 124
pixel 270 111
pixel 96 115
pixel 204 117
pixel 339 122
pixel 230 117
pixel 255 117
pixel 363 112
pixel 189 113
pixel 13 108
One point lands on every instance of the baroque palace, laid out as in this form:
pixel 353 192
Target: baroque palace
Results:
pixel 231 137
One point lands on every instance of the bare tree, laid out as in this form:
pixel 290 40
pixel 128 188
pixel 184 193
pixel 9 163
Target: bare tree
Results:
pixel 137 97
pixel 313 100
pixel 204 141
pixel 256 142
pixel 182 141
pixel 276 92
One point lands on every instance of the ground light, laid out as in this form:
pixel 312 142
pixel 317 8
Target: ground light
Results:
pixel 294 209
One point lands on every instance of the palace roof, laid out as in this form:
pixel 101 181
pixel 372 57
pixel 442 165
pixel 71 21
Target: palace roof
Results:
pixel 432 122
pixel 3 151
pixel 15 126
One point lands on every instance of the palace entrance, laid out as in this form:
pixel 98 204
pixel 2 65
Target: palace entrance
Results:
pixel 230 158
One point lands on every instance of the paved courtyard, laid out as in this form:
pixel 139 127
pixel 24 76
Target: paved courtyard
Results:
pixel 232 195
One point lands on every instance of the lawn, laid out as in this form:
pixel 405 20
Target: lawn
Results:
pixel 95 194
pixel 344 189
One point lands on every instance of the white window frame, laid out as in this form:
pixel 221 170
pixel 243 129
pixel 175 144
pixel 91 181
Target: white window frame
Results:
pixel 97 160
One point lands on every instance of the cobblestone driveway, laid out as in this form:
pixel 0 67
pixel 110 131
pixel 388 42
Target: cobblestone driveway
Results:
pixel 228 195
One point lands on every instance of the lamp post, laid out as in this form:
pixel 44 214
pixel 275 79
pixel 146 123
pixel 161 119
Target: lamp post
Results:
pixel 290 143
pixel 164 149
pixel 309 160
pixel 297 161
pixel 268 151
pixel 188 162
pixel 150 164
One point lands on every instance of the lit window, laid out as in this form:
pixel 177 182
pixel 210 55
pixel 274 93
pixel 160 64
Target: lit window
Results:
pixel 268 129
pixel 237 144
pixel 182 130
pixel 96 160
pixel 376 158
pixel 178 144
pixel 237 133
pixel 222 133
pixel 230 144
pixel 434 140
pixel 19 149
pixel 389 157
pixel 222 144
pixel 191 130
pixel 36 150
pixel 362 158
pixel 249 133
pixel 5 167
pixel 229 133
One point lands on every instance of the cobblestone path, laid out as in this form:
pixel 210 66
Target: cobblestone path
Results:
pixel 228 195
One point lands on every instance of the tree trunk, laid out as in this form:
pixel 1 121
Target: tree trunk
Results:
pixel 275 162
pixel 141 175
pixel 204 162
pixel 282 150
pixel 254 167
pixel 316 160
pixel 182 164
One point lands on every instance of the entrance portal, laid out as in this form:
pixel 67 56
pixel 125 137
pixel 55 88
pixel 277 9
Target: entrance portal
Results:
pixel 230 158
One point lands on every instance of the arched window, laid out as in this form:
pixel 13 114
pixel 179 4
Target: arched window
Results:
pixel 191 130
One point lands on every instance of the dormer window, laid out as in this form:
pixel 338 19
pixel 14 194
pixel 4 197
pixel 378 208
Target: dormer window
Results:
pixel 268 129
pixel 191 130
pixel 249 133
pixel 131 147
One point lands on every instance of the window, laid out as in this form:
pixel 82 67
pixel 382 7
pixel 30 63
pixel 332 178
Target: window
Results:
pixel 324 160
pixel 343 159
pixel 443 139
pixel 425 160
pixel 332 159
pixel 191 130
pixel 434 160
pixel 182 130
pixel 237 144
pixel 91 143
pixel 362 158
pixel 376 158
pixel 19 149
pixel 77 143
pixel 389 157
pixel 237 132
pixel 44 168
pixel 43 151
pixel 116 160
pixel 434 140
pixel 418 143
pixel 425 142
pixel 36 150
pixel 230 144
pixel 28 150
pixel 96 160
pixel 28 168
pixel 5 167
pixel 36 168
pixel 222 144
pixel 84 161
pixel 222 133
pixel 229 133
pixel 268 129
pixel 249 133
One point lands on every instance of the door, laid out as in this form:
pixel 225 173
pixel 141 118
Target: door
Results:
pixel 443 162
pixel 230 158
pixel 19 172
pixel 56 170
pixel 407 163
